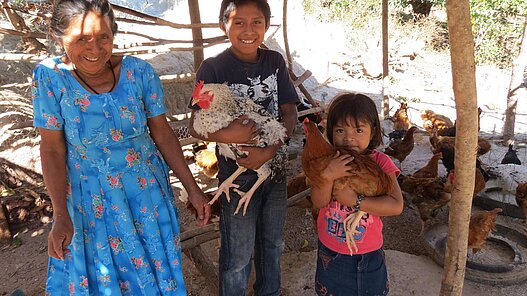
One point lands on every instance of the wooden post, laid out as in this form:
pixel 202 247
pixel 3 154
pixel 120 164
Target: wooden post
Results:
pixel 464 84
pixel 197 36
pixel 5 233
pixel 32 45
pixel 200 259
pixel 385 91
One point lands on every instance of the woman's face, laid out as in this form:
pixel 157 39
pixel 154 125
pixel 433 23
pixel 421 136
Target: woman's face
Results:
pixel 88 42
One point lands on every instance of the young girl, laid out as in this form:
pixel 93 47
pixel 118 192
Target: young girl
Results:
pixel 353 124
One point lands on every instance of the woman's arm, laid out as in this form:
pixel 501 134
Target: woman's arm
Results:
pixel 169 146
pixel 53 159
pixel 390 204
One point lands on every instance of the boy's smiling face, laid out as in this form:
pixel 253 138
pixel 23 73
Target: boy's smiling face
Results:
pixel 246 29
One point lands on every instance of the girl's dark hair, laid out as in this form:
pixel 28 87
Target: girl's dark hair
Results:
pixel 359 107
pixel 228 6
pixel 65 11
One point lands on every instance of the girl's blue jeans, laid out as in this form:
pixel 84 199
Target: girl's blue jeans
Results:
pixel 261 231
pixel 358 275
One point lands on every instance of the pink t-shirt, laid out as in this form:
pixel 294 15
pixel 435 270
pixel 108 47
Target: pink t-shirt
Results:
pixel 331 229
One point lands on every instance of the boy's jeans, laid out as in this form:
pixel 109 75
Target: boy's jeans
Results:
pixel 261 230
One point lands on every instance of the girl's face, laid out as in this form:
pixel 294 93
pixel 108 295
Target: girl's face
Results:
pixel 348 137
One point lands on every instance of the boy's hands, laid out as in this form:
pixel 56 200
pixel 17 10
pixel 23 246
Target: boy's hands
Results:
pixel 242 131
pixel 257 156
pixel 337 167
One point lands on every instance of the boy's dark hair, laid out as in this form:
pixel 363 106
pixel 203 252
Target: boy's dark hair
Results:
pixel 359 107
pixel 228 6
pixel 65 11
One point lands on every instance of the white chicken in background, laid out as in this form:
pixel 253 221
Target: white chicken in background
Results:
pixel 503 181
pixel 219 107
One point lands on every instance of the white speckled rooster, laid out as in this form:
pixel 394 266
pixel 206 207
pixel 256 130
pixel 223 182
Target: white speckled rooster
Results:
pixel 219 107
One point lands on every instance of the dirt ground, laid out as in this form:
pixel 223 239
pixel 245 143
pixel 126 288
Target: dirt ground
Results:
pixel 426 82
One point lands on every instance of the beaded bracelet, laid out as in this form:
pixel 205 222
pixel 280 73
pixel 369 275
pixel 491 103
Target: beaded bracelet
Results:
pixel 360 198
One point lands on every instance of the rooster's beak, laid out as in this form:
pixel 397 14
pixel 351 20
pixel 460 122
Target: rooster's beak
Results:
pixel 194 101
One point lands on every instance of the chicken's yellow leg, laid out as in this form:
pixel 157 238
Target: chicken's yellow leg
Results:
pixel 224 187
pixel 246 196
pixel 350 225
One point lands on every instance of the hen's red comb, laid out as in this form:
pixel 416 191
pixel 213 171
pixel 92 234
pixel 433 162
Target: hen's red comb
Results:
pixel 306 120
pixel 197 88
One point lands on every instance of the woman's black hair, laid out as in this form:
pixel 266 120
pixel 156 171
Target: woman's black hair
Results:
pixel 228 6
pixel 65 11
pixel 359 107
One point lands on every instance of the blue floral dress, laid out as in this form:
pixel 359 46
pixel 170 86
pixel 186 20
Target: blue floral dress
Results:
pixel 126 233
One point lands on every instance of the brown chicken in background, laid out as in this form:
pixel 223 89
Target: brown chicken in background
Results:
pixel 206 159
pixel 400 149
pixel 427 194
pixel 430 170
pixel 400 118
pixel 451 131
pixel 299 184
pixel 481 225
pixel 433 121
pixel 521 198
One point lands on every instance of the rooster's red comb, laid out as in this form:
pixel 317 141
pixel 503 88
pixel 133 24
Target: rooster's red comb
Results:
pixel 306 120
pixel 197 88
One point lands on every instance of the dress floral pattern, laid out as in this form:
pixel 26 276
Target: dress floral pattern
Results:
pixel 126 233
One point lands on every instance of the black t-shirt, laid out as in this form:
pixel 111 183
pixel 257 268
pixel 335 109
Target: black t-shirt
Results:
pixel 266 82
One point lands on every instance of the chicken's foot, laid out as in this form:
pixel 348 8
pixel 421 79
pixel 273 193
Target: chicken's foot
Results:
pixel 350 227
pixel 227 184
pixel 246 196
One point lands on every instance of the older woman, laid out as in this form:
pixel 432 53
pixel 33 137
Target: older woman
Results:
pixel 105 148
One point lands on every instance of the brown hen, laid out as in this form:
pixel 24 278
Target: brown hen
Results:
pixel 299 184
pixel 430 169
pixel 433 121
pixel 207 160
pixel 400 118
pixel 481 225
pixel 521 198
pixel 399 149
pixel 367 179
pixel 427 194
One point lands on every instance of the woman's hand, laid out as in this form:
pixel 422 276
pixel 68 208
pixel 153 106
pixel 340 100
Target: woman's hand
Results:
pixel 200 202
pixel 337 167
pixel 60 236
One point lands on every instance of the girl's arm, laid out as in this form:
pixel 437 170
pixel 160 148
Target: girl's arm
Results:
pixel 169 146
pixel 53 159
pixel 390 204
pixel 337 168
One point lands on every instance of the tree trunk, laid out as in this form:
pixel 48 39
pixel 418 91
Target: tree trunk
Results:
pixel 516 88
pixel 385 90
pixel 421 7
pixel 197 35
pixel 464 84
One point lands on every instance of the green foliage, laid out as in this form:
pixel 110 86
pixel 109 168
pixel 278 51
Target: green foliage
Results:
pixel 356 13
pixel 497 24
pixel 498 27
